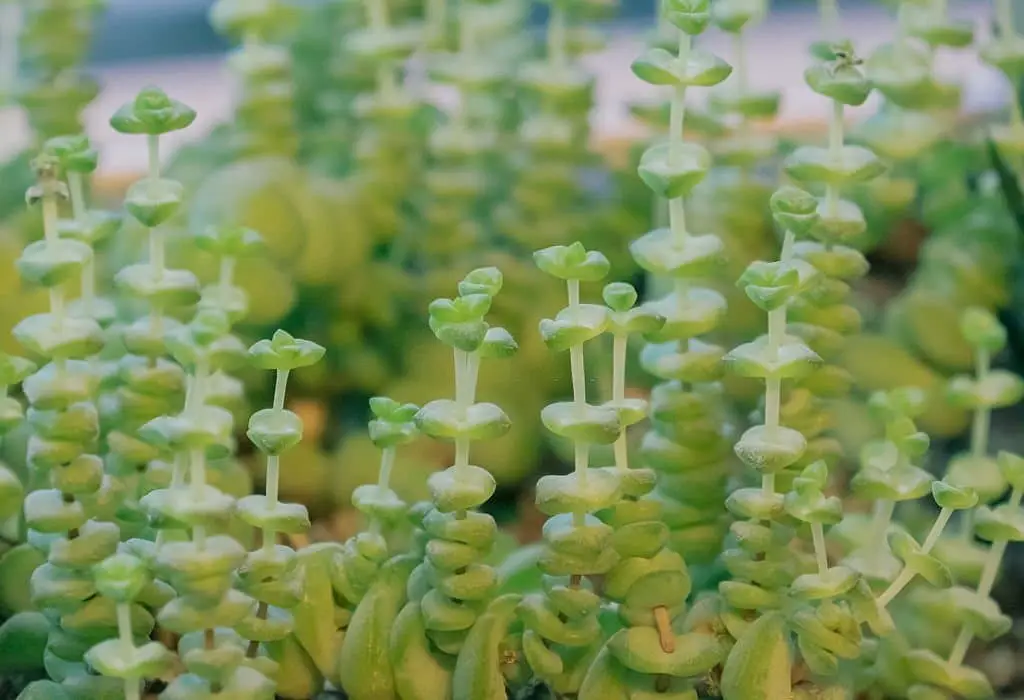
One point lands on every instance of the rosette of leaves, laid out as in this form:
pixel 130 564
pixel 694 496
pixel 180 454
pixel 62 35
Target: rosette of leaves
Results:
pixel 264 120
pixel 271 575
pixel 689 441
pixel 64 521
pixel 451 628
pixel 53 44
pixel 561 631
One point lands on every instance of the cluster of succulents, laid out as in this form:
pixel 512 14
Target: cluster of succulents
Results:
pixel 719 535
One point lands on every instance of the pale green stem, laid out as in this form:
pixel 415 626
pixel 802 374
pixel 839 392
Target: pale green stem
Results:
pixel 153 143
pixel 582 462
pixel 579 395
pixel 677 219
pixel 622 452
pixel 10 28
pixel 280 387
pixel 829 11
pixel 1004 18
pixel 436 12
pixel 387 463
pixel 76 190
pixel 820 553
pixel 788 240
pixel 178 472
pixel 982 414
pixel 124 633
pixel 880 526
pixel 677 109
pixel 377 14
pixel 773 384
pixel 273 480
pixel 907 574
pixel 50 216
pixel 619 394
pixel 197 471
pixel 619 368
pixel 124 627
pixel 579 379
pixel 227 271
pixel 740 71
pixel 835 149
pixel 989 571
pixel 557 36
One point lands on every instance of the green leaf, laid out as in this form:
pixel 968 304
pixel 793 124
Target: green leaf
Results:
pixel 691 16
pixel 734 15
pixel 152 112
pixel 154 202
pixel 663 253
pixel 582 422
pixel 51 263
pixel 758 666
pixel 574 325
pixel 572 262
pixel 854 165
pixel 284 352
pixel 479 675
pixel 11 493
pixel 983 330
pixel 446 419
pixel 289 518
pixel 770 450
pixel 949 496
pixel 672 172
pixel 639 649
pixel 419 673
pixel 274 431
pixel 22 641
pixel 483 280
pixel 842 83
pixel 572 493
pixel 164 287
pixel 460 488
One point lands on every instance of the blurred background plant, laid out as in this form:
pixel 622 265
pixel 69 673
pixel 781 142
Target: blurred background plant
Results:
pixel 383 150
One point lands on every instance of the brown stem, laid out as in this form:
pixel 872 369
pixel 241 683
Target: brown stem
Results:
pixel 254 646
pixel 664 625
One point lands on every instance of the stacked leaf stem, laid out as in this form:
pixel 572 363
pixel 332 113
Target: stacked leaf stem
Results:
pixel 53 43
pixel 452 587
pixel 688 444
pixel 264 113
pixel 64 441
pixel 650 582
pixel 561 631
